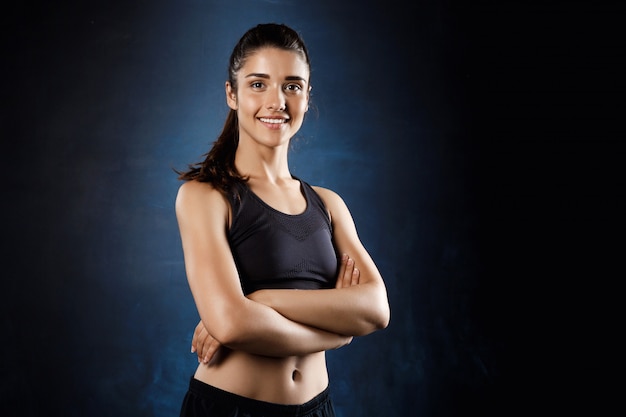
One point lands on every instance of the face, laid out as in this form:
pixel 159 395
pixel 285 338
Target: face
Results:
pixel 272 97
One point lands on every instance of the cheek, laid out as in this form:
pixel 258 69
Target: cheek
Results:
pixel 247 106
pixel 301 105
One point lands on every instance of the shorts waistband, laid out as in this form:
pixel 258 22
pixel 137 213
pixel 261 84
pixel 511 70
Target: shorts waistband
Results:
pixel 205 390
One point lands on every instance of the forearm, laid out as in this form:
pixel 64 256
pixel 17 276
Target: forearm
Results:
pixel 258 329
pixel 356 311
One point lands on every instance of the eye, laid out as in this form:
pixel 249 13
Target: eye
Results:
pixel 293 87
pixel 257 85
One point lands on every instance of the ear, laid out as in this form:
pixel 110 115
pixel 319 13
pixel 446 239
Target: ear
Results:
pixel 231 96
pixel 308 98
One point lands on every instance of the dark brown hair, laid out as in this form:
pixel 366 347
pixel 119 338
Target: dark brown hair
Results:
pixel 218 168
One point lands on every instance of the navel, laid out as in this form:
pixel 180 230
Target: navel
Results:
pixel 296 375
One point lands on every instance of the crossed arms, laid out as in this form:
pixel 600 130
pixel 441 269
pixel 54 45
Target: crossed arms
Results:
pixel 274 322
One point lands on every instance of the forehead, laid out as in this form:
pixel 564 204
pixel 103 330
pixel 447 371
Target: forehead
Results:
pixel 275 62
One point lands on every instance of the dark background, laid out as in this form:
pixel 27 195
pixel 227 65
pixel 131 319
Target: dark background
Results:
pixel 477 145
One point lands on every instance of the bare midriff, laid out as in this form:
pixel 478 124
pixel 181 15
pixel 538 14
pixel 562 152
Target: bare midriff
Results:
pixel 289 380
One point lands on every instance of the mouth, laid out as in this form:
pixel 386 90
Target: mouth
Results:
pixel 273 120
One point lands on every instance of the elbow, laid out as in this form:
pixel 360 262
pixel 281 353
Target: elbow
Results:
pixel 383 318
pixel 377 319
pixel 380 311
pixel 380 320
pixel 234 333
pixel 227 334
pixel 228 330
pixel 236 325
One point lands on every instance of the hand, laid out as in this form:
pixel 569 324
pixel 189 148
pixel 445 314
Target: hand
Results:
pixel 349 274
pixel 204 344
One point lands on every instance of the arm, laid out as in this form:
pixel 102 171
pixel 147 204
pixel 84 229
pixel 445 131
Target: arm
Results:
pixel 229 317
pixel 206 346
pixel 354 310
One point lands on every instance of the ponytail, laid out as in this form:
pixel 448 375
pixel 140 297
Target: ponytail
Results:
pixel 218 168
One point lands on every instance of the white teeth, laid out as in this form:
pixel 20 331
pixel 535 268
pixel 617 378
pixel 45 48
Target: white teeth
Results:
pixel 273 121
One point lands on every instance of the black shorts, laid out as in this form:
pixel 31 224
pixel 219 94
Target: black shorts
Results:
pixel 203 400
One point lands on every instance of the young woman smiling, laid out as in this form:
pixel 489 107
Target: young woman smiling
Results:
pixel 254 237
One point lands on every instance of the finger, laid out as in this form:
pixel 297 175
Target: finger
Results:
pixel 206 348
pixel 202 342
pixel 198 340
pixel 212 349
pixel 342 270
pixel 196 333
pixel 347 276
pixel 356 276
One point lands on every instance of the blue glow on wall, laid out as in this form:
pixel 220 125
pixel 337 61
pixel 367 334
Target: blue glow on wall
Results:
pixel 109 97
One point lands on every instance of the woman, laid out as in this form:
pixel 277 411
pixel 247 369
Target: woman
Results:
pixel 254 236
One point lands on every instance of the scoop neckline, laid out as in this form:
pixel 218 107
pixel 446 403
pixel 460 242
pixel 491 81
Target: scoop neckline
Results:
pixel 282 213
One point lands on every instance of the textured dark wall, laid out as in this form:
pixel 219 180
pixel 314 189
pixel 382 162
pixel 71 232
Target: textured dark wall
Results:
pixel 103 99
pixel 108 97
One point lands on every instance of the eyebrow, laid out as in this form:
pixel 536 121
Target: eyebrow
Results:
pixel 288 78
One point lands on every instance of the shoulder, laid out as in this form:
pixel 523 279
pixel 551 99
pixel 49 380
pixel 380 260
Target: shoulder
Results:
pixel 194 196
pixel 196 190
pixel 326 194
pixel 331 199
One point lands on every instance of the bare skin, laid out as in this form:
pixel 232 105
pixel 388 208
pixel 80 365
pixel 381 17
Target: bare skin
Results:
pixel 295 375
pixel 207 347
pixel 270 345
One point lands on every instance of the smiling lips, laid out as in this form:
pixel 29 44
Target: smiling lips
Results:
pixel 274 120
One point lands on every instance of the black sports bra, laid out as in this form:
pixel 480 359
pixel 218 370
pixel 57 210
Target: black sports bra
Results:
pixel 277 250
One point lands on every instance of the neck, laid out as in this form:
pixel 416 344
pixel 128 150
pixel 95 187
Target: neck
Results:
pixel 262 163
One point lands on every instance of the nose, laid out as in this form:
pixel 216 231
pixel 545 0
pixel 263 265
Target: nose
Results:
pixel 276 99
